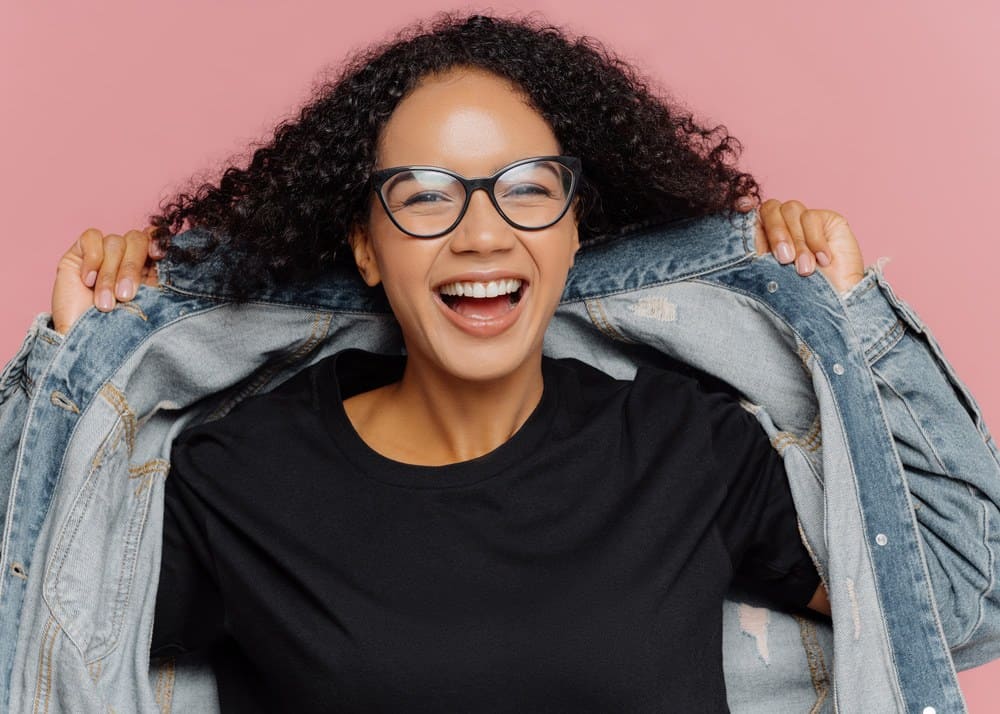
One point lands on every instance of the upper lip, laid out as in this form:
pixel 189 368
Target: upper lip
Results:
pixel 481 276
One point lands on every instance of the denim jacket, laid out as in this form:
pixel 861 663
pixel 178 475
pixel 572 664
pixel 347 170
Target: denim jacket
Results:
pixel 898 494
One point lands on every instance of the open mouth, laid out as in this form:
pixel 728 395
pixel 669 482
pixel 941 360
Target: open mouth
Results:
pixel 482 301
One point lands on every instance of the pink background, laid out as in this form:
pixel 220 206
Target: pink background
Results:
pixel 883 110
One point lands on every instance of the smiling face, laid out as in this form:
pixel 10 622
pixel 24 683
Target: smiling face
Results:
pixel 473 123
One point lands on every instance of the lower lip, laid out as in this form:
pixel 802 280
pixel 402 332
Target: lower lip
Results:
pixel 483 328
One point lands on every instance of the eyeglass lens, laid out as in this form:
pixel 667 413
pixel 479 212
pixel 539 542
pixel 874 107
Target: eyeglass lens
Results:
pixel 425 202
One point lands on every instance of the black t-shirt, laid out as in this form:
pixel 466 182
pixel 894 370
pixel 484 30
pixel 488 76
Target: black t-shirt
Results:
pixel 578 567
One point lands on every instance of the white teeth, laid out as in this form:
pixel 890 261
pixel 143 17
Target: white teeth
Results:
pixel 491 289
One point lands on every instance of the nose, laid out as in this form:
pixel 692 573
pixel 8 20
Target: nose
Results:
pixel 482 228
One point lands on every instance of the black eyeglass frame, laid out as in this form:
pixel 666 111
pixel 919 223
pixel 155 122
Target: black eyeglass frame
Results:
pixel 488 183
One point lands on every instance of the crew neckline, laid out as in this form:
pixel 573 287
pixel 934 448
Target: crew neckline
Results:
pixel 375 370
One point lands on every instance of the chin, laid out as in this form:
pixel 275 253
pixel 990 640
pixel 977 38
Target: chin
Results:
pixel 487 362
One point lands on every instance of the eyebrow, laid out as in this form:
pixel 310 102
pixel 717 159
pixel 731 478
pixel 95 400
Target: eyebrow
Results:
pixel 497 167
pixel 493 169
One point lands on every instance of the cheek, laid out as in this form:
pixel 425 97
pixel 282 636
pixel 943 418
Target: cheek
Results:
pixel 555 258
pixel 404 273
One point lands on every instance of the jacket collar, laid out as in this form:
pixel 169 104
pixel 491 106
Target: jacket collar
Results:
pixel 680 249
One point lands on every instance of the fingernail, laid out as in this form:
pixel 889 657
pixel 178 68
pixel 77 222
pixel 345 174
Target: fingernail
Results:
pixel 804 264
pixel 104 300
pixel 785 254
pixel 90 279
pixel 744 203
pixel 822 258
pixel 125 288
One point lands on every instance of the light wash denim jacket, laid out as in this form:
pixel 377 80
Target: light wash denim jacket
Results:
pixel 897 495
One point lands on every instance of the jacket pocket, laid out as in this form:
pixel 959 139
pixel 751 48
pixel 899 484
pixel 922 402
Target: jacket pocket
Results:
pixel 89 575
pixel 913 322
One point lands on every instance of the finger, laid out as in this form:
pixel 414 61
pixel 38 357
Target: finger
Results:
pixel 156 251
pixel 775 229
pixel 91 243
pixel 805 261
pixel 814 229
pixel 130 269
pixel 114 250
pixel 744 204
pixel 150 275
pixel 760 240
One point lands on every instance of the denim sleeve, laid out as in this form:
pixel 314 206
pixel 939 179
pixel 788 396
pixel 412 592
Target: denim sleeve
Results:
pixel 17 386
pixel 949 460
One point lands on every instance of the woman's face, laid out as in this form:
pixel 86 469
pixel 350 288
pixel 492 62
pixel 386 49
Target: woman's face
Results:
pixel 471 122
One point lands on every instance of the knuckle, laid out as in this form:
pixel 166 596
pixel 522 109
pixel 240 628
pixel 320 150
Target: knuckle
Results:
pixel 91 242
pixel 795 229
pixel 90 234
pixel 813 218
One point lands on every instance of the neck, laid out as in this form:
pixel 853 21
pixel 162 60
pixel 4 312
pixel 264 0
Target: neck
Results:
pixel 433 418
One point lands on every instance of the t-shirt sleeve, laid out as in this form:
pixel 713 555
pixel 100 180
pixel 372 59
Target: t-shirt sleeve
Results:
pixel 189 610
pixel 757 518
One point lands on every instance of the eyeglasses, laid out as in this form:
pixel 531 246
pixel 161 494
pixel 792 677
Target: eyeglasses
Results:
pixel 429 201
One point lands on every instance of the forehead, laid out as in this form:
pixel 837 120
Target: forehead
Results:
pixel 465 119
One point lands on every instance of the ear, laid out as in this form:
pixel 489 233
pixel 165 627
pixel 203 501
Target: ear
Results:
pixel 364 256
pixel 575 246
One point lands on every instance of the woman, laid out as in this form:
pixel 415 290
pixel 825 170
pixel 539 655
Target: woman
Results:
pixel 563 568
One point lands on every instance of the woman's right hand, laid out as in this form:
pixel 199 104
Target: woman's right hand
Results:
pixel 99 269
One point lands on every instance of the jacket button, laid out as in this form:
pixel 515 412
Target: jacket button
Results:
pixel 882 539
pixel 929 710
pixel 772 286
pixel 838 368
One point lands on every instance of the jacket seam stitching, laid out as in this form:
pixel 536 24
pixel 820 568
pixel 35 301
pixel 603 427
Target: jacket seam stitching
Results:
pixel 885 343
pixel 693 275
pixel 599 318
pixel 913 417
pixel 223 300
pixel 921 556
pixel 61 537
pixel 13 491
pixel 319 329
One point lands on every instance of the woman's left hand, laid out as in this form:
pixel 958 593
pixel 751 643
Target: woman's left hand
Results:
pixel 811 236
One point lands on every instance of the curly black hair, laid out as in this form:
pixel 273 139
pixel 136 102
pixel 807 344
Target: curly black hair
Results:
pixel 286 214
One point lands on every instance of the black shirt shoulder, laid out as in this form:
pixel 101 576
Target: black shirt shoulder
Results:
pixel 756 516
pixel 254 417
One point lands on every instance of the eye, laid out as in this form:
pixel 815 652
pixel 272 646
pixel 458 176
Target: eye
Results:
pixel 426 197
pixel 527 189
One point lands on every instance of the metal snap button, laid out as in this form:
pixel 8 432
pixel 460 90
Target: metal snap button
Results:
pixel 772 286
pixel 838 368
pixel 881 539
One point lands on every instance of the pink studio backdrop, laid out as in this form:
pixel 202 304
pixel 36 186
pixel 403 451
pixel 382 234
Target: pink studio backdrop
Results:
pixel 884 111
